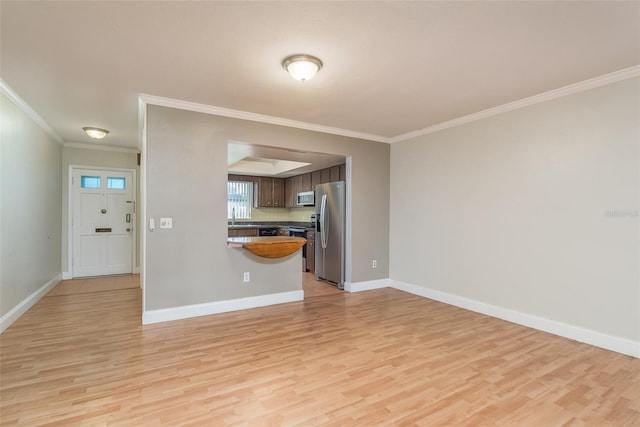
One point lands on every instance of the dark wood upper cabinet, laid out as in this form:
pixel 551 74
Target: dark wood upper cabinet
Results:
pixel 243 178
pixel 289 192
pixel 283 192
pixel 270 193
pixel 325 176
pixel 278 193
pixel 305 182
pixel 298 184
pixel 316 178
pixel 294 189
pixel 334 174
pixel 263 193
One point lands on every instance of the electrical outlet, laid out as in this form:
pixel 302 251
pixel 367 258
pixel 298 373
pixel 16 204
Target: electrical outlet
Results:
pixel 246 277
pixel 166 222
pixel 374 264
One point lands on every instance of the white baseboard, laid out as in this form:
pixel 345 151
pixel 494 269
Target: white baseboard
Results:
pixel 587 336
pixel 188 311
pixel 17 311
pixel 366 286
pixel 67 275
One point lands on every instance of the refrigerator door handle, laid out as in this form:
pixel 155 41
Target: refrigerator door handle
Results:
pixel 323 221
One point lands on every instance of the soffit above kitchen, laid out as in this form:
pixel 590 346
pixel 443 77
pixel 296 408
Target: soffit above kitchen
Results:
pixel 262 160
pixel 389 68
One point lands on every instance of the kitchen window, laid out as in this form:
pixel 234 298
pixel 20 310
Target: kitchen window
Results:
pixel 239 199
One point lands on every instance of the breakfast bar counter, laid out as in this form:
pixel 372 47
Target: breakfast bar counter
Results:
pixel 268 246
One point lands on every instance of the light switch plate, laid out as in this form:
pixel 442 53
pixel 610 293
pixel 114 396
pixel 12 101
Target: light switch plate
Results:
pixel 166 222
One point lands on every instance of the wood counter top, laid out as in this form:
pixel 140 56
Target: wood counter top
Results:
pixel 268 246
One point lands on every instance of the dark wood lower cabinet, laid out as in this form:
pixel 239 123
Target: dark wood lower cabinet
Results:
pixel 311 251
pixel 242 232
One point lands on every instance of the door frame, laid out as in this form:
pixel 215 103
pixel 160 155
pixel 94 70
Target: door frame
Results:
pixel 72 169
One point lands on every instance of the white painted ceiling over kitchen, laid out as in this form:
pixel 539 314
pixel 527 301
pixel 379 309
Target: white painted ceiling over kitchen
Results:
pixel 389 67
pixel 238 151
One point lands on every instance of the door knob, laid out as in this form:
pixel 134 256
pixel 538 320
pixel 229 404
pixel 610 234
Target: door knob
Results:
pixel 103 211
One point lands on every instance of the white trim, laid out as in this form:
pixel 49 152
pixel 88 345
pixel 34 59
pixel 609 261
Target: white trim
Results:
pixel 22 105
pixel 367 286
pixel 216 307
pixel 142 260
pixel 66 275
pixel 17 311
pixel 85 146
pixel 69 273
pixel 614 77
pixel 143 99
pixel 348 237
pixel 255 117
pixel 598 339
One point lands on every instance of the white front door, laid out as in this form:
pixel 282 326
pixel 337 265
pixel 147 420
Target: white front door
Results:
pixel 103 220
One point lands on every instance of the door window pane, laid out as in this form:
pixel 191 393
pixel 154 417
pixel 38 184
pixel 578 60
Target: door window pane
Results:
pixel 89 181
pixel 115 183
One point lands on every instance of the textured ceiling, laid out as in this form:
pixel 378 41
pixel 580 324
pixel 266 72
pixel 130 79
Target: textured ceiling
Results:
pixel 389 67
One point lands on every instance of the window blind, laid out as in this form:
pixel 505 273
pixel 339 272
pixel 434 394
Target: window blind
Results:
pixel 239 199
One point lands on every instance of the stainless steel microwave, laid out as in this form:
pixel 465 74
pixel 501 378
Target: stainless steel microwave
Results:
pixel 306 198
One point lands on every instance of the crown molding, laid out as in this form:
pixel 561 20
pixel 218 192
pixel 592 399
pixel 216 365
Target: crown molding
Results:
pixel 85 146
pixel 593 83
pixel 254 117
pixel 143 99
pixel 6 90
pixel 624 74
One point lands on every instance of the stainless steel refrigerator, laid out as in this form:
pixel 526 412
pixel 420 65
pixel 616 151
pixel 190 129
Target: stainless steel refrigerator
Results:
pixel 330 232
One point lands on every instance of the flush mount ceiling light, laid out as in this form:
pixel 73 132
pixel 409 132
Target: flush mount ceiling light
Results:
pixel 95 133
pixel 302 67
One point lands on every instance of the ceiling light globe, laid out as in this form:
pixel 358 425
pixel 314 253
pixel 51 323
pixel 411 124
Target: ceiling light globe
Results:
pixel 302 67
pixel 302 70
pixel 95 133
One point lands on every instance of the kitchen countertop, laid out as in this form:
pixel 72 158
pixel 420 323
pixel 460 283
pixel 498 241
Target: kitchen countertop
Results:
pixel 307 225
pixel 268 246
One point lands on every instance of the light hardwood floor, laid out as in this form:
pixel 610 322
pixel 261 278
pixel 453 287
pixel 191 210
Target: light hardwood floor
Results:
pixel 375 358
pixel 311 287
pixel 95 284
pixel 314 288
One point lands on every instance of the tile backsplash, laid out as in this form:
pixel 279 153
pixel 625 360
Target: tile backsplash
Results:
pixel 280 214
pixel 301 214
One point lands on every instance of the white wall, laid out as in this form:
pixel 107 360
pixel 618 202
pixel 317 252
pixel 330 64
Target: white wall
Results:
pixel 97 158
pixel 30 196
pixel 534 211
